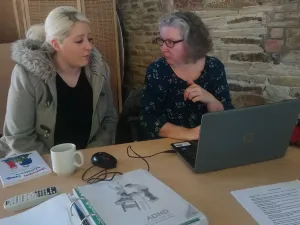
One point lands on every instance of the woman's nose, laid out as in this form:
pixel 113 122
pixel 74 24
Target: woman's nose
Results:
pixel 164 48
pixel 88 46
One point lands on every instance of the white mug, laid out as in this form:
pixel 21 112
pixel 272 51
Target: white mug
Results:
pixel 63 159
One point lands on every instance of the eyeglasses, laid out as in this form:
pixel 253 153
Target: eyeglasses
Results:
pixel 169 43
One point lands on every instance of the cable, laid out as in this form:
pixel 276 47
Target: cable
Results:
pixel 97 176
pixel 148 156
pixel 102 175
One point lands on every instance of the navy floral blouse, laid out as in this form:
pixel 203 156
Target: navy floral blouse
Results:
pixel 162 98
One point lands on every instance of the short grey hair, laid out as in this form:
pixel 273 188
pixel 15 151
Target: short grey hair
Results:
pixel 194 33
pixel 57 25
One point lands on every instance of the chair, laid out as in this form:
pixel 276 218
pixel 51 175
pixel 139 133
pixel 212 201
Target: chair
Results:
pixel 129 121
pixel 130 204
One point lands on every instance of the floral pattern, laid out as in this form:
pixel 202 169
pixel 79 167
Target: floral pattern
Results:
pixel 162 96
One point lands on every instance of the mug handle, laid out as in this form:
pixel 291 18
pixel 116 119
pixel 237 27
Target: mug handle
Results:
pixel 77 164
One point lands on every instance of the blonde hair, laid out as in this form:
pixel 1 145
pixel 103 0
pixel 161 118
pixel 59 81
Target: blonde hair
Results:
pixel 57 24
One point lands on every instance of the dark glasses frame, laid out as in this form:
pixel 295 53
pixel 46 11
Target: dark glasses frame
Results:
pixel 169 43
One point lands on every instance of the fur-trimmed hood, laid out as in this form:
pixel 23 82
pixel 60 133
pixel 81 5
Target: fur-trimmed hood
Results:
pixel 35 57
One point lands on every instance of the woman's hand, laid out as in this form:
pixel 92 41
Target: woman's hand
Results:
pixel 196 93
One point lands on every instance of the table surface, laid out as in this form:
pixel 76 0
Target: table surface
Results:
pixel 209 192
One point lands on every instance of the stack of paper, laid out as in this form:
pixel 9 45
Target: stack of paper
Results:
pixel 276 204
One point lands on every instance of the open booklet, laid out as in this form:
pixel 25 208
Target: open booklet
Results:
pixel 135 198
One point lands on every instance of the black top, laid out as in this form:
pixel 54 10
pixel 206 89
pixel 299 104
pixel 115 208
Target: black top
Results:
pixel 162 99
pixel 74 112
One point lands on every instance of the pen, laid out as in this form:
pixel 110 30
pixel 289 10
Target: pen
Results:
pixel 81 215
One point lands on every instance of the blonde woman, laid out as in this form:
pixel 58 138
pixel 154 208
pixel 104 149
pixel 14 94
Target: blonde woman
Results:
pixel 60 88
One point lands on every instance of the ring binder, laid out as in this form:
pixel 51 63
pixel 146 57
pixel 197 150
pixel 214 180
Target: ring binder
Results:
pixel 85 218
pixel 73 202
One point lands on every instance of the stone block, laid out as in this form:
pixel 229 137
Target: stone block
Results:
pixel 241 87
pixel 150 17
pixel 222 55
pixel 247 78
pixel 255 9
pixel 273 45
pixel 234 40
pixel 287 23
pixel 275 71
pixel 187 4
pixel 217 33
pixel 134 52
pixel 149 3
pixel 283 15
pixel 153 47
pixel 165 6
pixel 294 72
pixel 269 16
pixel 250 57
pixel 295 92
pixel 238 47
pixel 279 16
pixel 211 13
pixel 228 3
pixel 293 38
pixel 135 26
pixel 261 66
pixel 292 15
pixel 285 1
pixel 235 87
pixel 235 71
pixel 135 6
pixel 286 7
pixel 276 33
pixel 247 100
pixel 149 10
pixel 247 32
pixel 253 89
pixel 245 19
pixel 285 81
pixel 291 57
pixel 276 93
pixel 256 72
pixel 242 65
pixel 214 21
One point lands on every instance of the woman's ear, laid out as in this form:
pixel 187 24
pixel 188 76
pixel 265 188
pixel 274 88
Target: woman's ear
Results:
pixel 55 44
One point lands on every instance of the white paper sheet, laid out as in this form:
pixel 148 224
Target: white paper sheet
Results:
pixel 276 204
pixel 54 211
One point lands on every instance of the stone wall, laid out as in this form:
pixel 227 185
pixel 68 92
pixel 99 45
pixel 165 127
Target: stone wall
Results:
pixel 258 41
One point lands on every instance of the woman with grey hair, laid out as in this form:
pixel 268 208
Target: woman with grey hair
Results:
pixel 184 83
pixel 60 88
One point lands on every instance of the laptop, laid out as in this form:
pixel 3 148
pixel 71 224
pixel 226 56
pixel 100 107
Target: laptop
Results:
pixel 241 136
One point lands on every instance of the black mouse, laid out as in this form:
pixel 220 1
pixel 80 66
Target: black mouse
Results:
pixel 104 160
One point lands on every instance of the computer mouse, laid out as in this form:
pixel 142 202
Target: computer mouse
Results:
pixel 104 160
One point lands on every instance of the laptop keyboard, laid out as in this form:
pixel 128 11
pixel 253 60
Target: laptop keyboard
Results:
pixel 189 153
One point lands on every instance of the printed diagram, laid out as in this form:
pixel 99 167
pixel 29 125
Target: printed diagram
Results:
pixel 16 161
pixel 134 196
